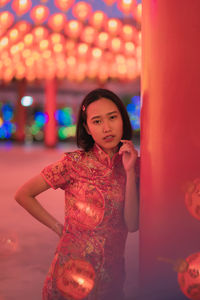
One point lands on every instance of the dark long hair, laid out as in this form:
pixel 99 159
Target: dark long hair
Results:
pixel 83 139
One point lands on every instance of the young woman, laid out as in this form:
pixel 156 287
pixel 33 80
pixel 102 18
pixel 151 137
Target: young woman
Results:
pixel 101 203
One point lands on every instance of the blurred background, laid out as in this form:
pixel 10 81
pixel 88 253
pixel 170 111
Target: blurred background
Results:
pixel 52 53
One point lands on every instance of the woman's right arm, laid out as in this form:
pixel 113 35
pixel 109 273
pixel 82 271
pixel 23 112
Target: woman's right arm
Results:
pixel 25 196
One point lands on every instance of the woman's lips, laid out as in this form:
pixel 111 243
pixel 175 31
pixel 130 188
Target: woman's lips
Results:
pixel 108 138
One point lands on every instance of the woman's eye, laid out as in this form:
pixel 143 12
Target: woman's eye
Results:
pixel 113 117
pixel 97 122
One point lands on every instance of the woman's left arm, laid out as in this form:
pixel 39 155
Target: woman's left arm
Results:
pixel 131 207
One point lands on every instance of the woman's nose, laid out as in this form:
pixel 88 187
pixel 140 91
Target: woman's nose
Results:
pixel 106 126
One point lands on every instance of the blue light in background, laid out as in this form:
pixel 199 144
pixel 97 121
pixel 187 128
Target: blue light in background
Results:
pixel 133 109
pixel 7 112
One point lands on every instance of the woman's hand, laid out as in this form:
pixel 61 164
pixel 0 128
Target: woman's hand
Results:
pixel 129 155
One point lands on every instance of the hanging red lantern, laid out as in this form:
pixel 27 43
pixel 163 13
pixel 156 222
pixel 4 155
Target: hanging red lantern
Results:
pixel 3 2
pixel 6 20
pixel 82 49
pixel 102 40
pixel 98 19
pixel 110 2
pixel 40 33
pixel 126 6
pixel 75 279
pixel 88 34
pixel 23 27
pixel 21 6
pixel 189 276
pixel 192 198
pixel 64 5
pixel 129 48
pixel 116 44
pixel 82 10
pixel 137 12
pixel 73 28
pixel 39 14
pixel 114 26
pixel 57 22
pixel 128 32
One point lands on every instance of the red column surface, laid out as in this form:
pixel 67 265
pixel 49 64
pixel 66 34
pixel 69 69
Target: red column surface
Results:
pixel 170 141
pixel 50 109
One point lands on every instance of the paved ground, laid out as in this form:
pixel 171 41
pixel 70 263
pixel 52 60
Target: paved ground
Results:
pixel 23 270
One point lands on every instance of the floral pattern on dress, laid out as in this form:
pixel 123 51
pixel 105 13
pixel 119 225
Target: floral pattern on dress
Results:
pixel 94 230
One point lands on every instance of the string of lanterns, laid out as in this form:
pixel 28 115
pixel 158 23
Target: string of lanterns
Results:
pixel 91 45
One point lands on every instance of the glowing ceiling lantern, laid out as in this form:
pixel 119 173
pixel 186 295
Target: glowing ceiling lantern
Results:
pixel 129 48
pixel 28 39
pixel 98 19
pixel 39 14
pixel 82 49
pixel 4 42
pixel 110 2
pixel 6 19
pixel 3 2
pixel 82 10
pixel 23 27
pixel 116 44
pixel 88 34
pixel 137 12
pixel 96 53
pixel 64 5
pixel 57 21
pixel 73 29
pixel 20 71
pixel 56 38
pixel 126 6
pixel 128 32
pixel 102 40
pixel 70 47
pixel 13 35
pixel 21 6
pixel 27 101
pixel 114 26
pixel 40 33
pixel 43 45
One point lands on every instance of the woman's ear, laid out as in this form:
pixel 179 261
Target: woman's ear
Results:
pixel 86 128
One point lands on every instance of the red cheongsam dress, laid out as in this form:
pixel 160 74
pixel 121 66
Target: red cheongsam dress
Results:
pixel 89 259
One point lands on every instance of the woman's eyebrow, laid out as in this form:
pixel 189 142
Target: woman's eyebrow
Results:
pixel 110 113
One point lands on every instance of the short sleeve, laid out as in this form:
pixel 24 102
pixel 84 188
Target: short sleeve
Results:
pixel 56 174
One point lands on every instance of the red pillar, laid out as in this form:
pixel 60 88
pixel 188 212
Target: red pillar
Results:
pixel 50 109
pixel 170 141
pixel 20 112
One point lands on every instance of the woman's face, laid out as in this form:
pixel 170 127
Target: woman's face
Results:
pixel 104 124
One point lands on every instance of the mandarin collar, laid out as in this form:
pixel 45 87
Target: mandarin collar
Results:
pixel 103 157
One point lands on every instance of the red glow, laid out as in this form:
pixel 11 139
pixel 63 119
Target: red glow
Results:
pixel 57 22
pixel 21 6
pixel 6 19
pixel 82 10
pixel 76 278
pixel 73 28
pixel 39 14
pixel 64 4
pixel 98 19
